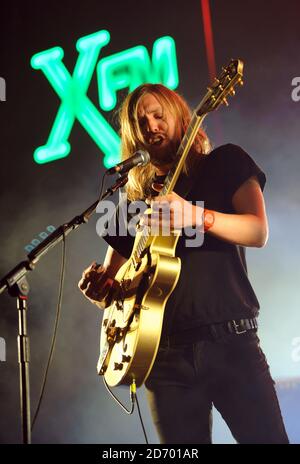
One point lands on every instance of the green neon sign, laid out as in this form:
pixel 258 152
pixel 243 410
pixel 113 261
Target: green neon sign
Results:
pixel 133 67
pixel 126 69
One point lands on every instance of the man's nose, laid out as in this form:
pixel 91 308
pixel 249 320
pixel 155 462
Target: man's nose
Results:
pixel 152 125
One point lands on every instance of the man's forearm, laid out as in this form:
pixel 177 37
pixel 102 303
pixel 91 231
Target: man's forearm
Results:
pixel 241 229
pixel 113 261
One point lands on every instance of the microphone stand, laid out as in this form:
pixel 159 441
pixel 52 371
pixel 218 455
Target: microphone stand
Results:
pixel 16 284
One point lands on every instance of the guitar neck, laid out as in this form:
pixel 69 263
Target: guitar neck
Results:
pixel 173 174
pixel 182 154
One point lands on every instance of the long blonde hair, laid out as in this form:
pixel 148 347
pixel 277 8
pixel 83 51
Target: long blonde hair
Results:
pixel 140 178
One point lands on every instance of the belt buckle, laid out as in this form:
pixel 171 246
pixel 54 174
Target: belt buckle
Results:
pixel 236 328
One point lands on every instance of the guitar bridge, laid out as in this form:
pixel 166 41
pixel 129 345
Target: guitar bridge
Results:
pixel 112 334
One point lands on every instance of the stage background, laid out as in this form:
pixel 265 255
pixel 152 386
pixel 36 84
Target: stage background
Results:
pixel 262 118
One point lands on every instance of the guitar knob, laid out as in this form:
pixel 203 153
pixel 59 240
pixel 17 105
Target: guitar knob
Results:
pixel 119 305
pixel 125 358
pixel 225 102
pixel 232 92
pixel 118 366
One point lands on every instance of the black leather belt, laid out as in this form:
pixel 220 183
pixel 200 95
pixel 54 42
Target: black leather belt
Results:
pixel 210 332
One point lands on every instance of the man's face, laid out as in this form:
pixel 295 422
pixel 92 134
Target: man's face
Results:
pixel 158 127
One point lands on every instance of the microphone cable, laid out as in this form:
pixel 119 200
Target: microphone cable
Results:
pixel 54 336
pixel 102 184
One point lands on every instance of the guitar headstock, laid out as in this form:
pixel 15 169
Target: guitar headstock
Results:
pixel 222 87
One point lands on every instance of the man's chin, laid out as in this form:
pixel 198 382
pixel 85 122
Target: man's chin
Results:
pixel 161 163
pixel 160 157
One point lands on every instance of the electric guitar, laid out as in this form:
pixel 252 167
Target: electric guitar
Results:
pixel 132 324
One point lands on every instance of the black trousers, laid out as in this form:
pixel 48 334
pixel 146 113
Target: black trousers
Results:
pixel 230 373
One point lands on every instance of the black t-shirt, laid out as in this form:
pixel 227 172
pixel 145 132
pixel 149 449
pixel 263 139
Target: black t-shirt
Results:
pixel 213 285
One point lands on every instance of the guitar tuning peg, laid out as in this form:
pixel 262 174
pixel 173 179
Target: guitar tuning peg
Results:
pixel 232 92
pixel 209 89
pixel 221 87
pixel 216 80
pixel 240 81
pixel 225 101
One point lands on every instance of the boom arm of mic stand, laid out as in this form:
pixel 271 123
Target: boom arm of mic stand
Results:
pixel 53 239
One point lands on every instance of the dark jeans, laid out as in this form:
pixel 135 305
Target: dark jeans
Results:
pixel 230 373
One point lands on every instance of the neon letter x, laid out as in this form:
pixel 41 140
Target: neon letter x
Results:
pixel 74 101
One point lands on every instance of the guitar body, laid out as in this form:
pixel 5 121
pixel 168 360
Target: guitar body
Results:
pixel 132 325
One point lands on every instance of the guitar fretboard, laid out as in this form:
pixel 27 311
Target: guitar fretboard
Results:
pixel 173 174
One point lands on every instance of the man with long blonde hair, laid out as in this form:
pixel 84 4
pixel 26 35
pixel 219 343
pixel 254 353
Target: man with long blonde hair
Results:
pixel 209 351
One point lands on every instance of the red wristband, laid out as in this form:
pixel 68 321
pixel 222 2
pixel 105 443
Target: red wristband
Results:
pixel 208 219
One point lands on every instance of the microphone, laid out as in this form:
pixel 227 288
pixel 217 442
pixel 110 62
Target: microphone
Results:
pixel 140 158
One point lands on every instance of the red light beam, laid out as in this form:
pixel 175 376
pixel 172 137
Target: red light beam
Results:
pixel 209 41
